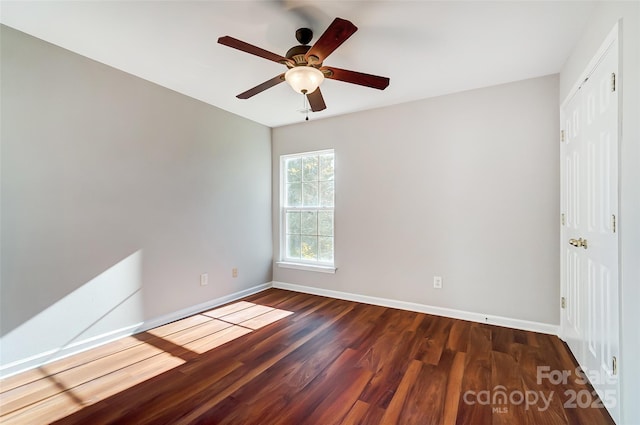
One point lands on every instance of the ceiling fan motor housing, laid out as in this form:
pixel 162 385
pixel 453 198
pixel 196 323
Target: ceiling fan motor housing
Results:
pixel 297 54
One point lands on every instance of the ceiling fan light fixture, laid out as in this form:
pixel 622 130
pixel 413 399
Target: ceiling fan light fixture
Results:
pixel 304 79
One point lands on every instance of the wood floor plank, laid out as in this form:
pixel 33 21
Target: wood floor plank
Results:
pixel 501 339
pixel 215 340
pixel 295 358
pixel 194 333
pixel 532 339
pixel 376 323
pixel 477 378
pixel 426 399
pixel 273 298
pixel 357 413
pixel 550 410
pixel 393 411
pixel 437 336
pixel 458 336
pixel 454 385
pixel 520 336
pixel 228 309
pixel 179 325
pixel 245 314
pixel 20 379
pixel 373 416
pixel 339 390
pixel 294 301
pixel 265 319
pixel 508 400
pixel 28 394
pixel 386 357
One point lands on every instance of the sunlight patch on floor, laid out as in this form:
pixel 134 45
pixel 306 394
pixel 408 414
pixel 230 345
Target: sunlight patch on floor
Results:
pixel 248 315
pixel 66 386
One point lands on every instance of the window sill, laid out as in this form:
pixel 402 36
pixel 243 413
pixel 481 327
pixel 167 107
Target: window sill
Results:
pixel 307 267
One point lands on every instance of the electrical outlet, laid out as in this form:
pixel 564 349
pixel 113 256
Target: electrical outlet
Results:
pixel 234 272
pixel 437 282
pixel 204 279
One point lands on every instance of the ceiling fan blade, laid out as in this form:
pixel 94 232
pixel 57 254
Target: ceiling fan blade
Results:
pixel 337 33
pixel 353 77
pixel 254 50
pixel 261 87
pixel 316 101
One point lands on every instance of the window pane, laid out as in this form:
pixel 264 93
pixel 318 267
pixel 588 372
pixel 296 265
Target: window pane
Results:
pixel 309 248
pixel 308 201
pixel 326 167
pixel 293 222
pixel 325 249
pixel 310 194
pixel 326 194
pixel 294 195
pixel 293 246
pixel 325 223
pixel 294 170
pixel 309 223
pixel 310 169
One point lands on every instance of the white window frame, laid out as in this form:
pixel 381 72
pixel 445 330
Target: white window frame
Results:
pixel 301 264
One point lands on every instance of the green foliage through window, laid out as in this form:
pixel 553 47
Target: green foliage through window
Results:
pixel 308 210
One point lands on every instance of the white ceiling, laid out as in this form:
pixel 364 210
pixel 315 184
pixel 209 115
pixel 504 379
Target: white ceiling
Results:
pixel 426 48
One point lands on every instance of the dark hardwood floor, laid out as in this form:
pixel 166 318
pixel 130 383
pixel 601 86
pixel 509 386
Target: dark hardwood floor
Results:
pixel 281 357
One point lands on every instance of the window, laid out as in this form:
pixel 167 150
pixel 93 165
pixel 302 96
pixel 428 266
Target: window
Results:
pixel 307 203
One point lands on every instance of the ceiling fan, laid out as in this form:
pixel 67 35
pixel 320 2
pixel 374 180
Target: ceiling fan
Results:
pixel 306 70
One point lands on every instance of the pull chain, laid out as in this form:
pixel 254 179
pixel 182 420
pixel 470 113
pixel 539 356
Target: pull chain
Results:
pixel 305 106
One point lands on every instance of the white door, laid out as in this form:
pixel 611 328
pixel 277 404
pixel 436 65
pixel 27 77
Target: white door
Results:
pixel 589 162
pixel 572 203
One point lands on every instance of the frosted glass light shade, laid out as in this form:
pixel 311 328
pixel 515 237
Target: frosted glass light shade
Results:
pixel 304 79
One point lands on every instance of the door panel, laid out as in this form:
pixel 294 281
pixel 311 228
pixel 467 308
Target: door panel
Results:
pixel 600 131
pixel 571 205
pixel 589 186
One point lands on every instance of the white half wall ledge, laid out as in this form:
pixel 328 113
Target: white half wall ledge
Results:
pixel 51 356
pixel 525 325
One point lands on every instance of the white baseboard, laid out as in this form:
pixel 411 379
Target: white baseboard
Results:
pixel 190 311
pixel 525 325
pixel 42 359
pixel 49 356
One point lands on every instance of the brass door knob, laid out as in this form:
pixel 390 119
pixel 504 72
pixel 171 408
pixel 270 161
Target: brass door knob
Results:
pixel 578 243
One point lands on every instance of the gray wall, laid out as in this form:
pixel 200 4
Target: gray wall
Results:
pixel 116 195
pixel 464 186
pixel 602 21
